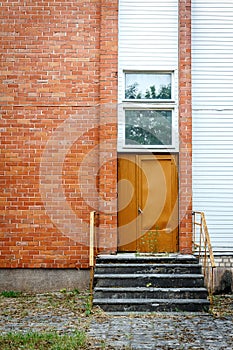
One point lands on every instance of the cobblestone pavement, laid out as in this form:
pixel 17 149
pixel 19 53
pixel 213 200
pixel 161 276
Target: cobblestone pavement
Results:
pixel 165 332
pixel 67 312
pixel 59 312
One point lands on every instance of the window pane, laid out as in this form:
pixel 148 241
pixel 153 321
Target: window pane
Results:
pixel 148 127
pixel 148 86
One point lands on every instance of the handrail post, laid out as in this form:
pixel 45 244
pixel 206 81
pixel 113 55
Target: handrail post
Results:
pixel 92 236
pixel 200 243
pixel 194 230
pixel 206 250
pixel 91 251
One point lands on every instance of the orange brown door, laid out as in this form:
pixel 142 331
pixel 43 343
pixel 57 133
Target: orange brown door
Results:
pixel 147 203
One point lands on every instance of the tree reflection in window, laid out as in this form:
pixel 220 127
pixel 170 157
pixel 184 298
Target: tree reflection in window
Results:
pixel 148 86
pixel 148 127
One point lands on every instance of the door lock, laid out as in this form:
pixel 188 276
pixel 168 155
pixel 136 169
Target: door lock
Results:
pixel 140 211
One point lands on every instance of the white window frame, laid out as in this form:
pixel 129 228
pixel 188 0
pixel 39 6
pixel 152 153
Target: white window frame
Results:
pixel 150 104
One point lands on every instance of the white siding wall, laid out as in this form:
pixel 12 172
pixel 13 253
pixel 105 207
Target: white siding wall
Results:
pixel 148 36
pixel 212 66
pixel 148 40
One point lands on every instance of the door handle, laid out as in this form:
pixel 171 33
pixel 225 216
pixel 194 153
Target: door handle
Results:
pixel 140 211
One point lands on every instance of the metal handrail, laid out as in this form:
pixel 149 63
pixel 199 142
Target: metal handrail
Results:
pixel 92 247
pixel 205 251
pixel 92 238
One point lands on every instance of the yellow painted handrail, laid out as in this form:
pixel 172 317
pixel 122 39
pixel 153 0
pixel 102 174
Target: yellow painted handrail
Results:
pixel 205 251
pixel 92 245
pixel 92 239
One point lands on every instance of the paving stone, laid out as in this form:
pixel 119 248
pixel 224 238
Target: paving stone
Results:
pixel 163 332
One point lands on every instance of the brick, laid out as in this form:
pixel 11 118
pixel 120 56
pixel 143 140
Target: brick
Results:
pixel 59 105
pixel 50 75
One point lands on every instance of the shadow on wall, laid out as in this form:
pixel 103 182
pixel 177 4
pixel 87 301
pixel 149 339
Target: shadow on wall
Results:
pixel 223 281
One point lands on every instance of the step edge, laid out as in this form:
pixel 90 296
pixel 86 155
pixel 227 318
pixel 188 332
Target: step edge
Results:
pixel 157 289
pixel 147 301
pixel 135 255
pixel 191 259
pixel 140 275
pixel 143 265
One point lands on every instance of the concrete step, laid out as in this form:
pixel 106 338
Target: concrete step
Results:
pixel 149 280
pixel 152 305
pixel 147 259
pixel 139 268
pixel 150 293
pixel 148 283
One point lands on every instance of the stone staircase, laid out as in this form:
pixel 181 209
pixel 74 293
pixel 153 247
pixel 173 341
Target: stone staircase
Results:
pixel 130 283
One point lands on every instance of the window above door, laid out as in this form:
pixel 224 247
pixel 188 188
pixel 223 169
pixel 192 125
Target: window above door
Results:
pixel 148 113
pixel 148 127
pixel 148 86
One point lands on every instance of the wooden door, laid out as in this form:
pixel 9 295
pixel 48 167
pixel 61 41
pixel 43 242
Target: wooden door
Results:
pixel 147 203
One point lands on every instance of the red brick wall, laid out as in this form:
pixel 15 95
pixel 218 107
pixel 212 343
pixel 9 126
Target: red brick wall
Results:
pixel 185 127
pixel 58 83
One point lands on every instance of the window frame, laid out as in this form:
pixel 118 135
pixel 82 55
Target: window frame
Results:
pixel 145 100
pixel 149 108
pixel 148 104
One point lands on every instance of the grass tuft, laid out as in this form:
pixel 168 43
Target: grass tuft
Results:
pixel 10 294
pixel 43 341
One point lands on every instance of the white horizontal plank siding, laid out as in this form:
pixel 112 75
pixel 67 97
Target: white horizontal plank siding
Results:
pixel 212 54
pixel 148 36
pixel 212 82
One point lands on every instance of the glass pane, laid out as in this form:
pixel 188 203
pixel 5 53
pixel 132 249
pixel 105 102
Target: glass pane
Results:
pixel 148 86
pixel 148 127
